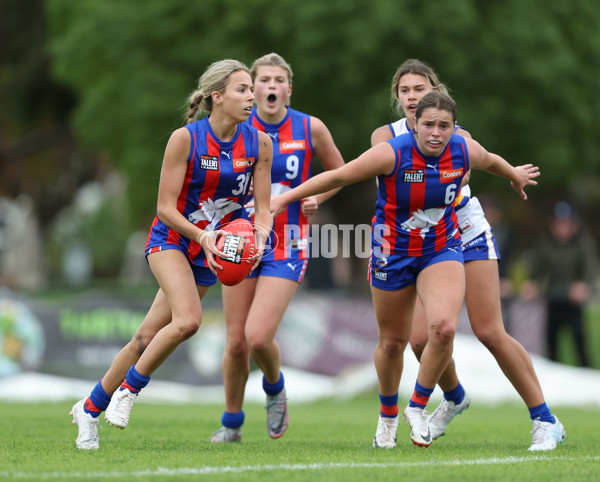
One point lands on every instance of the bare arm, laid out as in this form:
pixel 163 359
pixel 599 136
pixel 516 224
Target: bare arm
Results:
pixel 329 155
pixel 263 221
pixel 384 133
pixel 172 176
pixel 466 135
pixel 376 161
pixel 381 134
pixel 519 176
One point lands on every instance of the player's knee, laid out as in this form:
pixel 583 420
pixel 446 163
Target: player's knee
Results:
pixel 257 342
pixel 488 338
pixel 392 346
pixel 237 348
pixel 443 332
pixel 188 326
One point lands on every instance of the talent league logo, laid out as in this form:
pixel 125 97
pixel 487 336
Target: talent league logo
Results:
pixel 209 163
pixel 414 175
pixel 233 247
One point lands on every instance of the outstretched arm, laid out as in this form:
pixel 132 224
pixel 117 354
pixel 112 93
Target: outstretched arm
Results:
pixel 376 161
pixel 519 176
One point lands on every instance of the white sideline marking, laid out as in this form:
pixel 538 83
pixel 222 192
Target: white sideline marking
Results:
pixel 163 471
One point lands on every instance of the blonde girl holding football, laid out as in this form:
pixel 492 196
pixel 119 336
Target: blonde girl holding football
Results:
pixel 200 190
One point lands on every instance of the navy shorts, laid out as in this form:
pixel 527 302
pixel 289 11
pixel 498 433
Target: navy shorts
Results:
pixel 482 247
pixel 292 269
pixel 395 272
pixel 202 275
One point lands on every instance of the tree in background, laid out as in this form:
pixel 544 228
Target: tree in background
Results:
pixel 525 76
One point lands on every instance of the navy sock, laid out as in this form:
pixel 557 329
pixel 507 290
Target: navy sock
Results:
pixel 389 405
pixel 455 395
pixel 97 402
pixel 134 381
pixel 233 420
pixel 542 413
pixel 274 389
pixel 420 396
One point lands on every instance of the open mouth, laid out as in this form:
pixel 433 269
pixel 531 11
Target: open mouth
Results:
pixel 271 99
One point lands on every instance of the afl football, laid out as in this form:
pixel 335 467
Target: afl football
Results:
pixel 238 245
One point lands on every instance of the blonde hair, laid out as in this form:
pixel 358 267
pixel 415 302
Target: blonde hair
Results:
pixel 414 66
pixel 272 60
pixel 215 78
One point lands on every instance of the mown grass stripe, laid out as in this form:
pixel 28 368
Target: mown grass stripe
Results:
pixel 166 472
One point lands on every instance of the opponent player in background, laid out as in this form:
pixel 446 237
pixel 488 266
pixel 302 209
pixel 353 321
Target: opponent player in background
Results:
pixel 204 181
pixel 416 246
pixel 255 307
pixel 412 80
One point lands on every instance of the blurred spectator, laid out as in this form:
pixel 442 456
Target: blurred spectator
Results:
pixel 21 250
pixel 563 267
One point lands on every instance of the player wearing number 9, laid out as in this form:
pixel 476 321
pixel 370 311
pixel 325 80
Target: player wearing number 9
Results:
pixel 419 175
pixel 254 308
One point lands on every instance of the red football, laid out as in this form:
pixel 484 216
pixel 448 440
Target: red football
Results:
pixel 238 245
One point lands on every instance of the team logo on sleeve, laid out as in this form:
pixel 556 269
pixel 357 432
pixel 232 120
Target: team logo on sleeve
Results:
pixel 242 164
pixel 413 175
pixel 209 163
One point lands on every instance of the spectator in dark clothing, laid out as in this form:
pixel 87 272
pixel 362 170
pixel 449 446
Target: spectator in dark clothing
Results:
pixel 563 266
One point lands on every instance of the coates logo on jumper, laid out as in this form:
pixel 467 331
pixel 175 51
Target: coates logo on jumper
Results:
pixel 291 146
pixel 449 176
pixel 242 164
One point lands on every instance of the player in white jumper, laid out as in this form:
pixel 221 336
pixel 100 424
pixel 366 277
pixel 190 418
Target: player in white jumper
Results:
pixel 412 80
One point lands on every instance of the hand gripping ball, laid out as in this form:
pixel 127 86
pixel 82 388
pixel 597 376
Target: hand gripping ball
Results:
pixel 238 246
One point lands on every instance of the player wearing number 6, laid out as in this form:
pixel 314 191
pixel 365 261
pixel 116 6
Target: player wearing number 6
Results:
pixel 416 247
pixel 254 308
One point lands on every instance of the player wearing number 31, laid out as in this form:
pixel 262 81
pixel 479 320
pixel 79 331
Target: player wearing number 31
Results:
pixel 416 247
pixel 204 182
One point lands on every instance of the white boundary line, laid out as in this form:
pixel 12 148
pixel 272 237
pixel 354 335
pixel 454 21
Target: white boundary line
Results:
pixel 167 472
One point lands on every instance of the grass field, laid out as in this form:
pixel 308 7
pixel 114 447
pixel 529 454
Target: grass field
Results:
pixel 330 440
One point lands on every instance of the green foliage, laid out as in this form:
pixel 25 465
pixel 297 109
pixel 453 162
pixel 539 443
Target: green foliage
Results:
pixel 525 74
pixel 328 440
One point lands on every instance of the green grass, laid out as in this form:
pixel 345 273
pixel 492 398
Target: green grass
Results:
pixel 328 440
